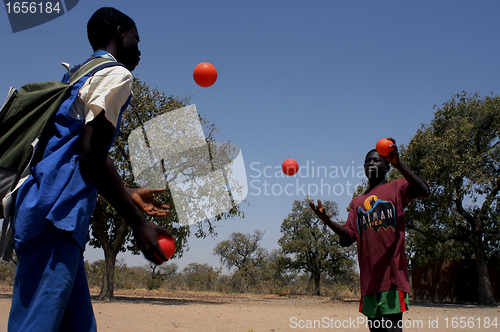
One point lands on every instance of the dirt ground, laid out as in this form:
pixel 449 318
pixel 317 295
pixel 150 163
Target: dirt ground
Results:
pixel 151 311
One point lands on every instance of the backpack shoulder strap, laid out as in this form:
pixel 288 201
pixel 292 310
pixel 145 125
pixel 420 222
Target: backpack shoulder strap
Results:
pixel 90 67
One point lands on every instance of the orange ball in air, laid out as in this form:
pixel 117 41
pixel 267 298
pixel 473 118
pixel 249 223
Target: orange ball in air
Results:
pixel 205 74
pixel 384 147
pixel 290 167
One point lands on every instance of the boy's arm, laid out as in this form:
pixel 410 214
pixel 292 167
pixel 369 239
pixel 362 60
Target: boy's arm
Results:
pixel 341 231
pixel 96 166
pixel 418 187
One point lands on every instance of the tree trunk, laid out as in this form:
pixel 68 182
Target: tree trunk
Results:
pixel 108 277
pixel 111 249
pixel 483 279
pixel 317 280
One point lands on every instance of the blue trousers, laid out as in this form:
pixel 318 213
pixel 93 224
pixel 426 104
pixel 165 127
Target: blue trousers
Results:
pixel 51 292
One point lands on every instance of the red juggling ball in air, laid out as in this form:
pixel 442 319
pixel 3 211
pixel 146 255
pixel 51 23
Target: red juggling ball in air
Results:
pixel 290 167
pixel 205 74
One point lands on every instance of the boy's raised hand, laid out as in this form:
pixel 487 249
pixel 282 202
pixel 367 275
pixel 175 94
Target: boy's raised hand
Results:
pixel 393 156
pixel 143 199
pixel 319 210
pixel 341 231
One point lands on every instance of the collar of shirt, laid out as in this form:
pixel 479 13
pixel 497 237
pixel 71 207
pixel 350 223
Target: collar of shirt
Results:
pixel 103 54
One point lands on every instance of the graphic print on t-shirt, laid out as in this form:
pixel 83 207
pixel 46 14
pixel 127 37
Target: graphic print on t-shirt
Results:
pixel 376 213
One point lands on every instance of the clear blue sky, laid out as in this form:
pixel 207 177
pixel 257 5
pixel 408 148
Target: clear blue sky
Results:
pixel 317 81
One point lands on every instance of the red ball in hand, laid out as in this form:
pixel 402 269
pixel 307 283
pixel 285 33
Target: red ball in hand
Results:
pixel 167 246
pixel 384 147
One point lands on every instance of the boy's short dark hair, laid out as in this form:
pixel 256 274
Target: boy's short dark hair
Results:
pixel 371 151
pixel 375 150
pixel 101 28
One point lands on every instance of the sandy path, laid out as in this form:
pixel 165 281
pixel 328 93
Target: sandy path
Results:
pixel 163 311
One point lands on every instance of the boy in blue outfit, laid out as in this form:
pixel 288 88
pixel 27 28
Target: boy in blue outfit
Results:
pixel 54 205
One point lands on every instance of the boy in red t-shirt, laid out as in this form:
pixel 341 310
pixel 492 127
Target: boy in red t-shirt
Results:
pixel 376 222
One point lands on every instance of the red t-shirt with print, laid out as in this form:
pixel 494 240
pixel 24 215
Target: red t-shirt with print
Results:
pixel 376 222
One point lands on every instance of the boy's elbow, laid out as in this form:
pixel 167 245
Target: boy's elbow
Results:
pixel 345 242
pixel 89 167
pixel 420 190
pixel 425 191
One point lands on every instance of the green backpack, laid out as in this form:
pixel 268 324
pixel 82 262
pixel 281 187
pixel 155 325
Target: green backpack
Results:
pixel 24 119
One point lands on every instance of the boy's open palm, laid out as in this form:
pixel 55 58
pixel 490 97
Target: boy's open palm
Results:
pixel 319 210
pixel 143 199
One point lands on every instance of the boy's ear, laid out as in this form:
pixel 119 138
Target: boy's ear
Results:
pixel 119 33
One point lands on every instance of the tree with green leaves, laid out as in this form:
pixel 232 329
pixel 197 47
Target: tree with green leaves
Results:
pixel 313 247
pixel 277 274
pixel 243 251
pixel 458 153
pixel 200 277
pixel 109 231
pixel 158 273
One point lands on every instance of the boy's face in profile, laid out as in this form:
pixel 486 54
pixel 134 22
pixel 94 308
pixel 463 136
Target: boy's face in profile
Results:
pixel 375 165
pixel 128 49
